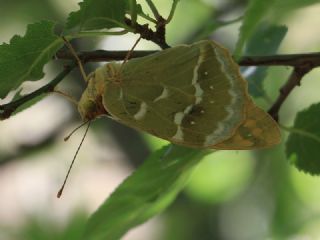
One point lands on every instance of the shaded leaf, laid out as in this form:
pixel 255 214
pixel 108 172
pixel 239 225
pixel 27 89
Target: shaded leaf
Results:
pixel 257 10
pixel 38 229
pixel 303 145
pixel 210 26
pixel 144 194
pixel 134 9
pixel 265 41
pixel 98 14
pixel 285 6
pixel 24 57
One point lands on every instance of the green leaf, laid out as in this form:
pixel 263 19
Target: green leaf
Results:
pixel 285 6
pixel 145 193
pixel 24 57
pixel 265 41
pixel 99 14
pixel 134 10
pixel 303 145
pixel 257 10
pixel 210 26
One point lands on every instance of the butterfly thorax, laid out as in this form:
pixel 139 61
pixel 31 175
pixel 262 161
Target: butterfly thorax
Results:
pixel 91 102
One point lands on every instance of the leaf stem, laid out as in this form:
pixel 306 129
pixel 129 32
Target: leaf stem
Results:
pixel 153 9
pixel 147 17
pixel 158 36
pixel 172 11
pixel 294 60
pixel 133 11
pixel 95 34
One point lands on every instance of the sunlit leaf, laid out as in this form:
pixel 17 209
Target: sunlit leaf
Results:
pixel 144 194
pixel 303 145
pixel 24 57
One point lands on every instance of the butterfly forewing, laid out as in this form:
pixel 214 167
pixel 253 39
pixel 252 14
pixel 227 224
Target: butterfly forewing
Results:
pixel 191 95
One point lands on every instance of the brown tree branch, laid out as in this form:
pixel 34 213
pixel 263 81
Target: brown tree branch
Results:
pixel 294 60
pixel 293 81
pixel 102 55
pixel 7 109
pixel 158 36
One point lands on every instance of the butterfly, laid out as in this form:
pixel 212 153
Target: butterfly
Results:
pixel 191 95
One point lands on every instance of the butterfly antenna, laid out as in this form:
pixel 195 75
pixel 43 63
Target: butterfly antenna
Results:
pixel 74 130
pixel 74 158
pixel 73 52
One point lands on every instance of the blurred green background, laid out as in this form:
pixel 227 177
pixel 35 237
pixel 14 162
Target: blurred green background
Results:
pixel 232 195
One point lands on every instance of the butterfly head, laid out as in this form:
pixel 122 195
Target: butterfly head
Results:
pixel 90 105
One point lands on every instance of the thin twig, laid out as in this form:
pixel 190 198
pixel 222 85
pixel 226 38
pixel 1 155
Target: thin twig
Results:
pixel 102 55
pixel 147 17
pixel 158 36
pixel 293 81
pixel 7 109
pixel 293 60
pixel 172 11
pixel 153 9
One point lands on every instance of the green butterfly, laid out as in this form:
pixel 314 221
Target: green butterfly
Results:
pixel 191 95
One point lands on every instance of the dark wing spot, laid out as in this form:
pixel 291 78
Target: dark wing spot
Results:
pixel 196 111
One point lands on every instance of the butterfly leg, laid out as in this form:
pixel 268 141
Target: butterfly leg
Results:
pixel 66 95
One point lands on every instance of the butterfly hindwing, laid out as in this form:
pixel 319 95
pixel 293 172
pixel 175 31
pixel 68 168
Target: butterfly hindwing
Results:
pixel 259 130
